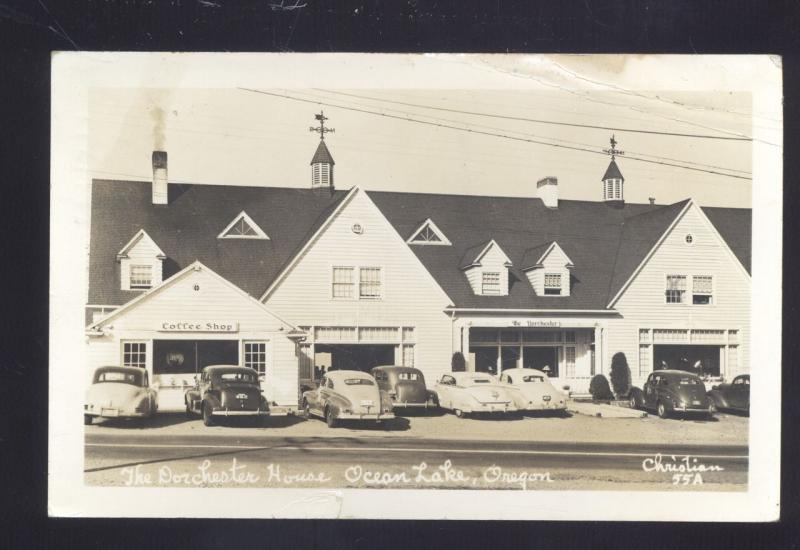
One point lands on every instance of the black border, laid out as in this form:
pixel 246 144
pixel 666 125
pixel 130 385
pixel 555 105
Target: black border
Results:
pixel 30 31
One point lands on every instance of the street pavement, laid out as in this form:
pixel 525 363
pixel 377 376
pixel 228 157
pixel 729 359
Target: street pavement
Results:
pixel 238 457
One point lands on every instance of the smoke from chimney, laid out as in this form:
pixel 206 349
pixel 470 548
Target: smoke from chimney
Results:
pixel 157 114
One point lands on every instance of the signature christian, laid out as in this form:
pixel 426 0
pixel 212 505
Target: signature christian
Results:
pixel 685 469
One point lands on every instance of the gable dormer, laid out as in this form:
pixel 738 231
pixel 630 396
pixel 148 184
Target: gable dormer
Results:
pixel 428 234
pixel 486 267
pixel 548 270
pixel 141 263
pixel 242 227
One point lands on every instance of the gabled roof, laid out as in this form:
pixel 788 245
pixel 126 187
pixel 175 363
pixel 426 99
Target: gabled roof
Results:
pixel 434 229
pixel 613 171
pixel 140 235
pixel 474 255
pixel 187 229
pixel 540 253
pixel 322 154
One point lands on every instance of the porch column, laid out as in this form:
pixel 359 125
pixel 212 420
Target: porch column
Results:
pixel 598 349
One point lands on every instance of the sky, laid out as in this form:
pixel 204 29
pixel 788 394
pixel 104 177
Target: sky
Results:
pixel 231 136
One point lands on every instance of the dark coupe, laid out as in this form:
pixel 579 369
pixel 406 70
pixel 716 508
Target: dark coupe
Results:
pixel 228 391
pixel 406 387
pixel 673 391
pixel 733 395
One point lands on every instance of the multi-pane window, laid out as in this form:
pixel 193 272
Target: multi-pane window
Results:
pixel 676 289
pixel 552 284
pixel 369 286
pixel 490 282
pixel 343 282
pixel 134 354
pixel 733 359
pixel 570 361
pixel 408 355
pixel 255 356
pixel 644 359
pixel 702 289
pixel 141 276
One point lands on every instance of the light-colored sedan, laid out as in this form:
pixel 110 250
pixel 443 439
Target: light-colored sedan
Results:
pixel 473 392
pixel 348 395
pixel 120 392
pixel 533 391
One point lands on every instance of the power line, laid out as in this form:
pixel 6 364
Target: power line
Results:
pixel 492 134
pixel 541 121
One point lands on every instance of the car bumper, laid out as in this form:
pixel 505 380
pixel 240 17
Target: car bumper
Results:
pixel 115 413
pixel 545 407
pixel 691 409
pixel 365 416
pixel 492 408
pixel 404 405
pixel 226 412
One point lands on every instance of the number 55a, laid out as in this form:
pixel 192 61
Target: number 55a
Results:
pixel 687 479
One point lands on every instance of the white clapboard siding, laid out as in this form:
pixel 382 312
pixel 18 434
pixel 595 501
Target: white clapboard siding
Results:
pixel 100 351
pixel 410 295
pixel 643 303
pixel 143 252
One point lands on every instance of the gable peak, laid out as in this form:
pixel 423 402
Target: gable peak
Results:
pixel 242 227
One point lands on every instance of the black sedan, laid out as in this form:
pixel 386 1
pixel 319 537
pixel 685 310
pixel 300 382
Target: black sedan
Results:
pixel 734 395
pixel 673 391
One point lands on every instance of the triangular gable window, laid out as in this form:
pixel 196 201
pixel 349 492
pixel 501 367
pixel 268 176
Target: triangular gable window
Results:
pixel 428 234
pixel 243 227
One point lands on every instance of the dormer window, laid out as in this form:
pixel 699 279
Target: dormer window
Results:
pixel 552 284
pixel 141 277
pixel 428 234
pixel 548 270
pixel 486 268
pixel 242 227
pixel 141 263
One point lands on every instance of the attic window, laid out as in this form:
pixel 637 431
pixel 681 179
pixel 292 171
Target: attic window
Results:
pixel 242 227
pixel 428 234
pixel 552 284
pixel 490 282
pixel 141 277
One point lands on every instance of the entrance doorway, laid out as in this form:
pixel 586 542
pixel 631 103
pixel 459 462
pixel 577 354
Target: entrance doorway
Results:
pixel 701 360
pixel 361 357
pixel 191 356
pixel 541 358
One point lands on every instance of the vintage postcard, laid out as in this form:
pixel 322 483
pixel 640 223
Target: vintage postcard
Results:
pixel 416 286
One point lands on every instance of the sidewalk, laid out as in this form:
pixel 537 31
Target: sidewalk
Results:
pixel 576 426
pixel 600 410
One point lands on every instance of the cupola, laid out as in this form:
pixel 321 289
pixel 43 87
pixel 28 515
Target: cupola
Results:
pixel 322 161
pixel 613 181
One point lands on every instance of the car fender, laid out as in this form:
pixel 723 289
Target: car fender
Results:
pixel 211 399
pixel 718 398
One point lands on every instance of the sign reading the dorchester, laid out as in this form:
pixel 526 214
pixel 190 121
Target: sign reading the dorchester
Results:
pixel 198 326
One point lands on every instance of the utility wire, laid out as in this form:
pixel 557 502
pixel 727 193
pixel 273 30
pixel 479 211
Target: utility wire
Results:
pixel 492 134
pixel 540 121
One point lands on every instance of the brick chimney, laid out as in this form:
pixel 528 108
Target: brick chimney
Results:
pixel 160 182
pixel 547 190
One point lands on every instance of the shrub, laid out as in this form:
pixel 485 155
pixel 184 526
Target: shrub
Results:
pixel 620 375
pixel 599 388
pixel 458 363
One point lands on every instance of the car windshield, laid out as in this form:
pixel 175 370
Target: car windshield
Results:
pixel 123 377
pixel 237 377
pixel 533 378
pixel 358 382
pixel 408 376
pixel 688 381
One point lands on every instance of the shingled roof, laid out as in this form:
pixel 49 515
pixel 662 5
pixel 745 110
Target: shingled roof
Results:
pixel 322 154
pixel 606 244
pixel 612 172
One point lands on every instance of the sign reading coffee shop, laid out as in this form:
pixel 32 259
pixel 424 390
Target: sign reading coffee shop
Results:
pixel 198 326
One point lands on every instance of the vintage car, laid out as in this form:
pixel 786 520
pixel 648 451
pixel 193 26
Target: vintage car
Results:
pixel 672 391
pixel 120 392
pixel 348 395
pixel 226 391
pixel 733 396
pixel 405 385
pixel 532 390
pixel 474 392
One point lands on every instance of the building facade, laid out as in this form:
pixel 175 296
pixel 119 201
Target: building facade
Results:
pixel 294 282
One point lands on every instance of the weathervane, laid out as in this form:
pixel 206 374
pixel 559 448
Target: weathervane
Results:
pixel 321 130
pixel 613 151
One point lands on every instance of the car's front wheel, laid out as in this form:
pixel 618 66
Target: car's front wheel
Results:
pixel 330 418
pixel 208 419
pixel 661 408
pixel 87 419
pixel 189 411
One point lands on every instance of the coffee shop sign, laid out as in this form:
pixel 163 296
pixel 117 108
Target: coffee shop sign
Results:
pixel 198 326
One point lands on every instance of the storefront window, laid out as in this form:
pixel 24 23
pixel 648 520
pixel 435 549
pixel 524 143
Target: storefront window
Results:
pixel 408 355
